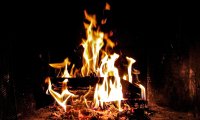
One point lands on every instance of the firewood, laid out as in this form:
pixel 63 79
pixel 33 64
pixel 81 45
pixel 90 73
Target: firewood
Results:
pixel 130 90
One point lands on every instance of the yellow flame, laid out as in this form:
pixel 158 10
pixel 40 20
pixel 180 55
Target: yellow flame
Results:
pixel 62 98
pixel 124 77
pixel 143 92
pixel 92 46
pixel 65 65
pixel 110 89
pixel 130 62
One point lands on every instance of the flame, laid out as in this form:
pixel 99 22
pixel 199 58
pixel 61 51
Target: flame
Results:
pixel 143 92
pixel 110 89
pixel 62 98
pixel 130 78
pixel 65 65
pixel 96 59
pixel 106 91
pixel 107 6
pixel 130 62
pixel 92 46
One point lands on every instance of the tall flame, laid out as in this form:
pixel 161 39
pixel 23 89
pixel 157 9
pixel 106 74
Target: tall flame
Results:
pixel 106 91
pixel 130 62
pixel 92 46
pixel 110 89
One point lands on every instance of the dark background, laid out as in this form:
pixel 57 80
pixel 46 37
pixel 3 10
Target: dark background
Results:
pixel 158 36
pixel 141 30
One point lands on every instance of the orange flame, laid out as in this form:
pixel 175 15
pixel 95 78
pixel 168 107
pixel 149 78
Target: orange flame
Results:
pixel 98 60
pixel 65 65
pixel 106 91
pixel 62 98
pixel 92 46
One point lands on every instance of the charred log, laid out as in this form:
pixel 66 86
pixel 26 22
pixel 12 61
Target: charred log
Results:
pixel 130 90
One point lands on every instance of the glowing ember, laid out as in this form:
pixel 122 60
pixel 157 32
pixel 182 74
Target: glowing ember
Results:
pixel 99 61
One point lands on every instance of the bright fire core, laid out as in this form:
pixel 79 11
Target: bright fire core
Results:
pixel 98 60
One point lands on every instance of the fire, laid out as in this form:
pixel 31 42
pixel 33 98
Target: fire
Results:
pixel 143 92
pixel 62 98
pixel 98 60
pixel 64 65
pixel 92 46
pixel 109 90
pixel 130 78
pixel 130 62
pixel 106 91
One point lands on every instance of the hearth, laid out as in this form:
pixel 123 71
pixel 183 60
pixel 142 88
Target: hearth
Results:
pixel 106 66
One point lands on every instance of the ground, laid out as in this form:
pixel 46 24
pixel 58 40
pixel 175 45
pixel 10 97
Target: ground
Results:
pixel 156 113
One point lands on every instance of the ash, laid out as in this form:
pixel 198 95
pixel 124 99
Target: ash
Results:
pixel 81 112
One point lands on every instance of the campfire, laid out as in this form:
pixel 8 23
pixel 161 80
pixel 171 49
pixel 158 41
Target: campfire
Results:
pixel 106 86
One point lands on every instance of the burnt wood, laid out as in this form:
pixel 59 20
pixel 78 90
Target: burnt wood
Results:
pixel 130 90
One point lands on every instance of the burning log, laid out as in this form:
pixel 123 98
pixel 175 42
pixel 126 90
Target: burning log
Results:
pixel 130 90
pixel 77 109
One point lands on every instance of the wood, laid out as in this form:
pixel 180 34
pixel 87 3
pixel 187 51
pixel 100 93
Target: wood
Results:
pixel 130 90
